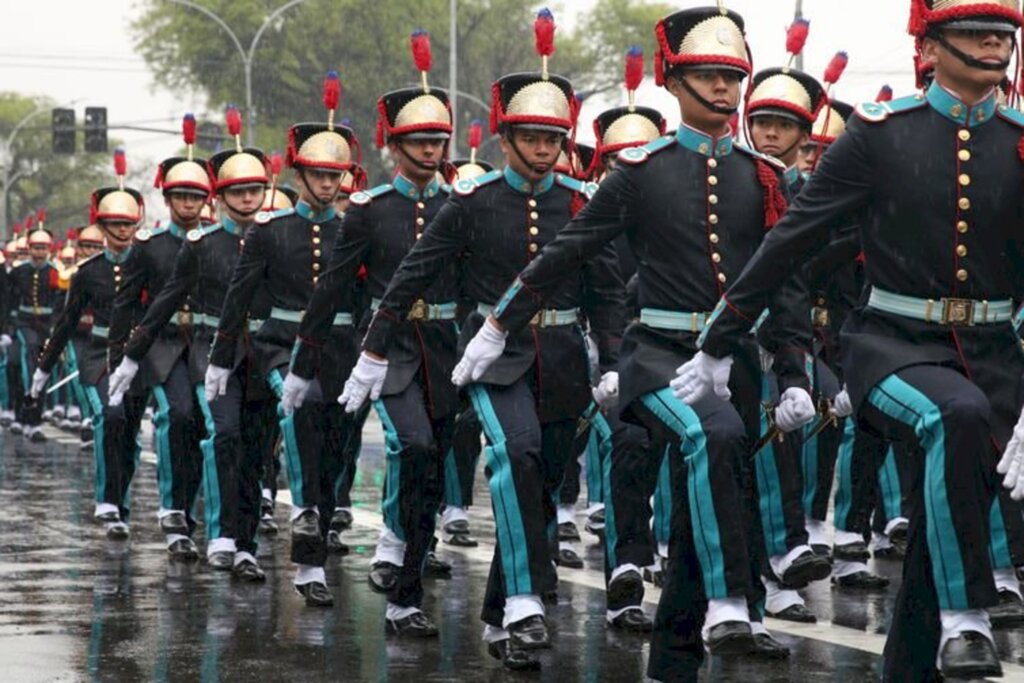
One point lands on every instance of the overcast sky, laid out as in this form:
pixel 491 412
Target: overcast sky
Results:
pixel 80 50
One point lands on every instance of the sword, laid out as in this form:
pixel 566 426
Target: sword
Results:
pixel 773 430
pixel 58 385
pixel 828 419
pixel 587 419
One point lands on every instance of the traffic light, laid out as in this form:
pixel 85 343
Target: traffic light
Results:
pixel 95 129
pixel 63 131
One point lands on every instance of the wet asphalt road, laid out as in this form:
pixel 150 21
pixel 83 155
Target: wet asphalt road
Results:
pixel 76 607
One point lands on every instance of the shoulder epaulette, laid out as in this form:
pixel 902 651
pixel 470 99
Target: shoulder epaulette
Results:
pixel 267 216
pixel 145 234
pixel 468 187
pixel 638 155
pixel 201 232
pixel 584 188
pixel 876 112
pixel 364 197
pixel 1011 114
pixel 775 163
pixel 446 188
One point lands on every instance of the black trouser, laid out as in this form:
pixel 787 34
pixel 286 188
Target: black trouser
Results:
pixel 115 444
pixel 176 428
pixel 27 410
pixel 350 460
pixel 525 465
pixel 263 435
pixel 818 457
pixel 462 459
pixel 415 446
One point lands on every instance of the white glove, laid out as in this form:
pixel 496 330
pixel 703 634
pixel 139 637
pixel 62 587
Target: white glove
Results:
pixel 39 380
pixel 293 394
pixel 1012 462
pixel 367 379
pixel 121 380
pixel 606 393
pixel 483 349
pixel 701 375
pixel 5 341
pixel 216 382
pixel 795 409
pixel 841 404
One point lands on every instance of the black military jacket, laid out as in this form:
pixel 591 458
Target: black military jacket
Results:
pixel 33 296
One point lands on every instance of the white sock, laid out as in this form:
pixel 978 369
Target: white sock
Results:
pixel 103 508
pixel 955 622
pixel 390 548
pixel 726 609
pixel 780 563
pixel 778 598
pixel 220 545
pixel 880 541
pixel 663 550
pixel 622 569
pixel 267 493
pixel 842 568
pixel 566 513
pixel 396 612
pixel 163 512
pixel 758 628
pixel 847 537
pixel 593 508
pixel 892 523
pixel 174 538
pixel 817 532
pixel 453 514
pixel 519 607
pixel 242 556
pixel 493 634
pixel 1006 580
pixel 307 573
pixel 297 512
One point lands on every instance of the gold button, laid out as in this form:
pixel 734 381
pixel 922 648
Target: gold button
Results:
pixel 712 163
pixel 956 110
pixel 316 266
pixel 532 203
pixel 316 240
pixel 315 278
pixel 316 228
pixel 965 155
pixel 712 199
pixel 713 219
pixel 316 253
pixel 716 257
pixel 534 230
pixel 965 179
pixel 712 180
pixel 703 149
pixel 961 250
pixel 117 278
pixel 722 278
pixel 964 135
pixel 962 227
pixel 533 248
pixel 964 203
pixel 713 238
pixel 419 235
pixel 534 215
pixel 961 275
pixel 420 205
pixel 420 221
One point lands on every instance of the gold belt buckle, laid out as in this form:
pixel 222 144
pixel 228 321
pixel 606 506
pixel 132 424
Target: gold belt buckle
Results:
pixel 958 312
pixel 820 316
pixel 544 318
pixel 419 311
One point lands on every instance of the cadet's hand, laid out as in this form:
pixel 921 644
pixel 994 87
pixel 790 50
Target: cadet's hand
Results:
pixel 841 404
pixel 5 341
pixel 121 380
pixel 795 409
pixel 606 393
pixel 700 376
pixel 1012 463
pixel 483 349
pixel 216 382
pixel 39 380
pixel 293 393
pixel 367 379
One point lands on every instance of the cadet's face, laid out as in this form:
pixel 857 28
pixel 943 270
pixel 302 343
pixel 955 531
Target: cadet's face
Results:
pixel 418 160
pixel 185 206
pixel 778 137
pixel 320 186
pixel 720 87
pixel 39 252
pixel 118 233
pixel 808 157
pixel 87 249
pixel 539 150
pixel 242 203
pixel 990 47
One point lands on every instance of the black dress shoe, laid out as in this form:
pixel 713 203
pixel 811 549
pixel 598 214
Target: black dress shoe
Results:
pixel 549 597
pixel 335 545
pixel 316 594
pixel 341 520
pixel 417 625
pixel 567 557
pixel 436 568
pixel 110 516
pixel 805 569
pixel 530 633
pixel 625 590
pixel 457 533
pixel 174 523
pixel 86 435
pixel 766 647
pixel 969 655
pixel 383 577
pixel 861 581
pixel 657 577
pixel 37 436
pixel 306 525
pixel 898 536
pixel 567 531
pixel 822 549
pixel 183 549
pixel 633 620
pixel 730 638
pixel 1008 613
pixel 798 613
pixel 851 552
pixel 889 552
pixel 248 571
pixel 512 659
pixel 118 531
pixel 221 561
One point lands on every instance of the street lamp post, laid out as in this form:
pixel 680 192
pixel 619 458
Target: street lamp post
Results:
pixel 7 157
pixel 246 55
pixel 9 182
pixel 453 73
pixel 798 13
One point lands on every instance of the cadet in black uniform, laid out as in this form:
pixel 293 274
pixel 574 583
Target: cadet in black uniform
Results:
pixel 417 403
pixel 284 254
pixel 931 359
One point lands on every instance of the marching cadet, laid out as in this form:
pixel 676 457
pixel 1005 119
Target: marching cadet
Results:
pixel 417 403
pixel 165 372
pixel 529 402
pixel 231 466
pixel 284 255
pixel 117 211
pixel 33 292
pixel 931 359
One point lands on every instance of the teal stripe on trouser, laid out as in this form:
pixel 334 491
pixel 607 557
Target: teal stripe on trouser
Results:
pixel 611 536
pixel 162 423
pixel 96 407
pixel 211 480
pixel 901 401
pixel 515 562
pixel 391 505
pixel 663 501
pixel 599 449
pixel 26 381
pixel 769 489
pixel 137 458
pixel 844 470
pixel 291 443
pixel 999 543
pixel 452 489
pixel 809 460
pixel 685 422
pixel 889 483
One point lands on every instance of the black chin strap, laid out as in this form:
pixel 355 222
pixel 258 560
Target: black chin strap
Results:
pixel 537 170
pixel 704 103
pixel 309 191
pixel 244 214
pixel 969 60
pixel 400 143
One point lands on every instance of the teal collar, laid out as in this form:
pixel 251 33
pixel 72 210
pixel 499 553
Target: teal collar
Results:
pixel 702 143
pixel 521 184
pixel 176 230
pixel 114 257
pixel 954 109
pixel 411 190
pixel 230 225
pixel 306 211
pixel 793 175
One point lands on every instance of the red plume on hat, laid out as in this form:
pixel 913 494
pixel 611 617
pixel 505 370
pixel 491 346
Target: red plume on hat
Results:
pixel 884 95
pixel 796 38
pixel 17 229
pixel 276 164
pixel 29 222
pixel 836 67
pixel 120 166
pixel 544 37
pixel 72 235
pixel 422 56
pixel 332 96
pixel 634 71
pixel 233 119
pixel 41 217
pixel 474 138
